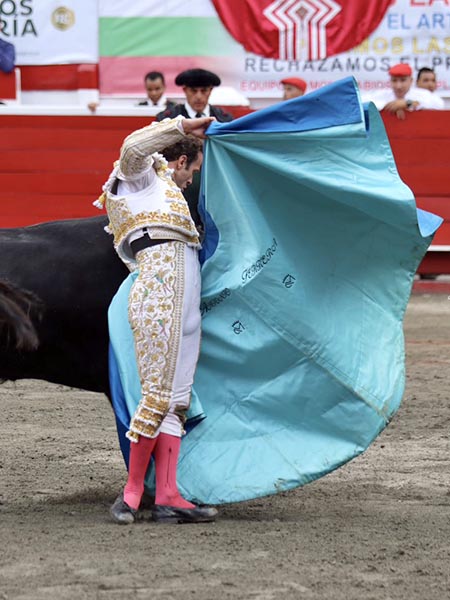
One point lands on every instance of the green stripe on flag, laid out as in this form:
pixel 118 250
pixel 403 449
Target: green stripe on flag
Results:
pixel 165 36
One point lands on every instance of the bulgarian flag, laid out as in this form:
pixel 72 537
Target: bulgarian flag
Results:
pixel 150 35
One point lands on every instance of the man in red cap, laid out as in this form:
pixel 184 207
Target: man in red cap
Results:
pixel 293 87
pixel 402 96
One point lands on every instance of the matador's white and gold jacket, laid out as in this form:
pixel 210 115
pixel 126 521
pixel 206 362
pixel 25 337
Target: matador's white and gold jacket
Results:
pixel 153 199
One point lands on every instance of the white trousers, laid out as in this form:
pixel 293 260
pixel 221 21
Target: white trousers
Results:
pixel 164 314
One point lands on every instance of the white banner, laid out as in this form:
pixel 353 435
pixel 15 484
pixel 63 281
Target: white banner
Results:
pixel 413 31
pixel 48 32
pixel 54 32
pixel 156 8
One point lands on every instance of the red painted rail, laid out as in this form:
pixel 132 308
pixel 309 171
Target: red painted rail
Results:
pixel 421 146
pixel 53 167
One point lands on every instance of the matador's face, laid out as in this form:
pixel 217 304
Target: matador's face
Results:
pixel 183 173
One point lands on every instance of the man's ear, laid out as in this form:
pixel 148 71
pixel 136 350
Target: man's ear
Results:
pixel 181 162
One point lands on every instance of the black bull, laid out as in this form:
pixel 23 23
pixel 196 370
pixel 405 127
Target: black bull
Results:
pixel 69 271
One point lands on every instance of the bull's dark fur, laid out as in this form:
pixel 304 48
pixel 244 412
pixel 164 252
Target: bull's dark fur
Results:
pixel 16 324
pixel 72 268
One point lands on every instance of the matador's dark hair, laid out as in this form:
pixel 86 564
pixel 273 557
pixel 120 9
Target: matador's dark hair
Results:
pixel 189 146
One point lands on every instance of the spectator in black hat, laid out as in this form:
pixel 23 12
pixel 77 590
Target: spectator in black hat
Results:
pixel 197 87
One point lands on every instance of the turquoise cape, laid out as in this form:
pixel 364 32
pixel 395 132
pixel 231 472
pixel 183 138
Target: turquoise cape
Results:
pixel 312 241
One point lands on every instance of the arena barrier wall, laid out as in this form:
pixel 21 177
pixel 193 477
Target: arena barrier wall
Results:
pixel 53 166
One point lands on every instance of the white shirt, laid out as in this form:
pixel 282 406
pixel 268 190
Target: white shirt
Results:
pixel 437 99
pixel 425 98
pixel 162 102
pixel 153 109
pixel 191 112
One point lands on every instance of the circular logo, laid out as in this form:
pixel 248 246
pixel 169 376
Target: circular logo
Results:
pixel 63 18
pixel 300 29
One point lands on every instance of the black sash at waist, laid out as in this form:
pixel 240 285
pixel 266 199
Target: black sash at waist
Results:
pixel 145 242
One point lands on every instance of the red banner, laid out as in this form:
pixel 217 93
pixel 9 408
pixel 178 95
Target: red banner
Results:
pixel 300 29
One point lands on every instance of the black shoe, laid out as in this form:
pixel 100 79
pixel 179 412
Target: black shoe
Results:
pixel 172 514
pixel 121 512
pixel 147 501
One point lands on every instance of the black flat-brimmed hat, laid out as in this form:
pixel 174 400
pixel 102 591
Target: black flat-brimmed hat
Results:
pixel 197 78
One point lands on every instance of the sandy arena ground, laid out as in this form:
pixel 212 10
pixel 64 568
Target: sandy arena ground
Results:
pixel 376 529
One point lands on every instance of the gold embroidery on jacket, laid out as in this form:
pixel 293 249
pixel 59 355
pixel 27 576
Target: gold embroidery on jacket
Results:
pixel 122 220
pixel 155 313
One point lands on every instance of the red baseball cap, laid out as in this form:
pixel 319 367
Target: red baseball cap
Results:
pixel 400 70
pixel 296 82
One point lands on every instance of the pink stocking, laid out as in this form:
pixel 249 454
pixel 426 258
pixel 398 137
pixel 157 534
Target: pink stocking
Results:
pixel 166 455
pixel 140 454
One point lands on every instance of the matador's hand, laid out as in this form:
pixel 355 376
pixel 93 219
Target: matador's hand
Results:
pixel 197 127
